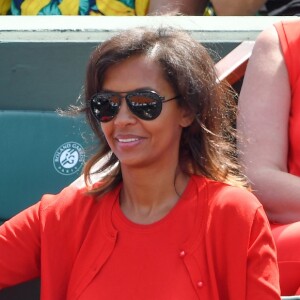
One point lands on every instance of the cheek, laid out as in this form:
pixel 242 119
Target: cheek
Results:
pixel 173 120
pixel 106 129
pixel 168 129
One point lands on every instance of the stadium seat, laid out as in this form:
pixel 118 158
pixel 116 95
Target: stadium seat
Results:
pixel 41 152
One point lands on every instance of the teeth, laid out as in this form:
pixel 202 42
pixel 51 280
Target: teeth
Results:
pixel 127 140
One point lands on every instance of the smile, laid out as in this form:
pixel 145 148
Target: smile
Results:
pixel 128 140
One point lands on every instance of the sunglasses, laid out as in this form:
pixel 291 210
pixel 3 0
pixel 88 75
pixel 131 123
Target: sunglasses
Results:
pixel 145 104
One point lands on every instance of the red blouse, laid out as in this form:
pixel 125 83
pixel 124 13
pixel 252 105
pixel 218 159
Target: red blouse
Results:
pixel 147 259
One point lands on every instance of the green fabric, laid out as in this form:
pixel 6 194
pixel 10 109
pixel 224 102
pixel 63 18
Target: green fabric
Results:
pixel 34 159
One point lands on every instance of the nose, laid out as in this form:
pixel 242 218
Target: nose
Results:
pixel 124 117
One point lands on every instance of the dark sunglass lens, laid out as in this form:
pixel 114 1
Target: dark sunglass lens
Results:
pixel 145 105
pixel 105 106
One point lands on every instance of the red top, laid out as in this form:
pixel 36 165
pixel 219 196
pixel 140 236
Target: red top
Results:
pixel 224 250
pixel 289 36
pixel 147 259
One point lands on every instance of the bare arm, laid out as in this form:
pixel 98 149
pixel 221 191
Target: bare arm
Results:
pixel 237 7
pixel 264 106
pixel 186 7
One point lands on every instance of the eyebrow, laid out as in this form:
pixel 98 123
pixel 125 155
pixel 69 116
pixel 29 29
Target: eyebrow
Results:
pixel 126 92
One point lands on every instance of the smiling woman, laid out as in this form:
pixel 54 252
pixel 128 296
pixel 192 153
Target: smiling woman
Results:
pixel 171 217
pixel 135 134
pixel 206 145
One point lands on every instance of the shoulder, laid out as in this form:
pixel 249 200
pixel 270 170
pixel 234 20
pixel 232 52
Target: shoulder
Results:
pixel 263 63
pixel 69 197
pixel 72 203
pixel 232 210
pixel 229 200
pixel 276 36
pixel 267 40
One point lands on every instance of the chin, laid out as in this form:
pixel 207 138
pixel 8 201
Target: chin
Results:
pixel 133 163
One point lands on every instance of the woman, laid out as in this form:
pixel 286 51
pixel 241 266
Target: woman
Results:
pixel 270 117
pixel 171 219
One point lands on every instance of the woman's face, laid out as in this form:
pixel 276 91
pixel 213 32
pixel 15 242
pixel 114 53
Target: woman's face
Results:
pixel 137 142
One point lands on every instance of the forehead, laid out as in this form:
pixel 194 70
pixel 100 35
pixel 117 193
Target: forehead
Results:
pixel 134 72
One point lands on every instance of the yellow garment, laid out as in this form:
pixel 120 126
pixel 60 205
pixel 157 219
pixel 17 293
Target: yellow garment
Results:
pixel 141 7
pixel 69 7
pixel 32 7
pixel 117 8
pixel 114 8
pixel 4 7
pixel 72 7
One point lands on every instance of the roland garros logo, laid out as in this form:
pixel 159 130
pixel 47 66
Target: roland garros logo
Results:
pixel 68 158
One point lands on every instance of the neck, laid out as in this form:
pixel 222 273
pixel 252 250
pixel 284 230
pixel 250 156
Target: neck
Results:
pixel 148 195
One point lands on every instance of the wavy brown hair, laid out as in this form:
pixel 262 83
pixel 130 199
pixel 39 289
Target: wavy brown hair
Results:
pixel 207 146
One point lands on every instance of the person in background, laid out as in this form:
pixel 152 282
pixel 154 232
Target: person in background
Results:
pixel 269 123
pixel 171 217
pixel 100 7
pixel 253 7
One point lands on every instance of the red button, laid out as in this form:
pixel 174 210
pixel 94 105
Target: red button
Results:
pixel 200 284
pixel 182 253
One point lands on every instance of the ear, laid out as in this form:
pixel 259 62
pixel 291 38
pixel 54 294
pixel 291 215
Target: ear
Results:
pixel 187 118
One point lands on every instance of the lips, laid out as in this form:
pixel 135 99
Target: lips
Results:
pixel 127 138
pixel 130 140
